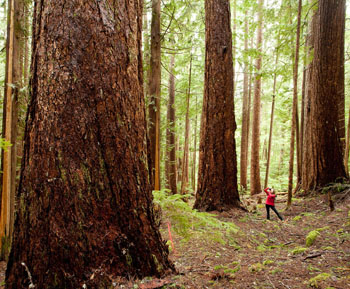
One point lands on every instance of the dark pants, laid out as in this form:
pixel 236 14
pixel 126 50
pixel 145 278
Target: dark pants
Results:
pixel 273 209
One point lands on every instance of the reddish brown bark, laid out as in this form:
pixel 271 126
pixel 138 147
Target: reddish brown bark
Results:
pixel 154 92
pixel 323 147
pixel 84 200
pixel 255 185
pixel 170 133
pixel 217 173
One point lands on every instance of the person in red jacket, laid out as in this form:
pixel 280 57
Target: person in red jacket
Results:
pixel 270 203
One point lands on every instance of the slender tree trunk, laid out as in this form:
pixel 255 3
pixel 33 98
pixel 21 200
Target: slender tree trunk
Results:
pixel 195 150
pixel 346 155
pixel 245 112
pixel 255 185
pixel 84 200
pixel 184 182
pixel 217 173
pixel 154 91
pixel 171 145
pixel 12 88
pixel 294 109
pixel 323 148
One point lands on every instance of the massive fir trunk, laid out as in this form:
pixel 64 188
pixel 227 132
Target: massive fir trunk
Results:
pixel 154 93
pixel 255 185
pixel 170 132
pixel 217 173
pixel 84 199
pixel 323 147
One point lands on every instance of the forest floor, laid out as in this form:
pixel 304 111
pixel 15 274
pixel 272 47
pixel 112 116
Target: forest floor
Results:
pixel 256 253
pixel 267 254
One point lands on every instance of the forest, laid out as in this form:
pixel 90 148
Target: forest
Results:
pixel 174 144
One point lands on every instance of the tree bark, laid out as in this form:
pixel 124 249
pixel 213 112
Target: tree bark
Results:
pixel 171 145
pixel 245 112
pixel 323 147
pixel 154 92
pixel 255 185
pixel 195 150
pixel 84 198
pixel 217 172
pixel 294 109
pixel 12 88
pixel 185 164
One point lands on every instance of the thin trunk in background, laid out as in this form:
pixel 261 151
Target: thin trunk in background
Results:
pixel 184 181
pixel 195 149
pixel 245 111
pixel 294 109
pixel 346 154
pixel 255 185
pixel 12 89
pixel 271 120
pixel 154 92
pixel 170 133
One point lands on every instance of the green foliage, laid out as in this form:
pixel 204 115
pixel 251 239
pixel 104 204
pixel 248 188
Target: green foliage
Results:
pixel 268 262
pixel 314 282
pixel 188 222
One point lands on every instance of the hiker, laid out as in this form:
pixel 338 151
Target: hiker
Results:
pixel 270 203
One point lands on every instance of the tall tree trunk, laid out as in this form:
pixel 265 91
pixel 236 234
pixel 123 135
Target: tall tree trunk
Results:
pixel 184 181
pixel 347 146
pixel 195 150
pixel 255 185
pixel 217 173
pixel 154 91
pixel 323 148
pixel 12 88
pixel 171 145
pixel 85 202
pixel 294 109
pixel 245 112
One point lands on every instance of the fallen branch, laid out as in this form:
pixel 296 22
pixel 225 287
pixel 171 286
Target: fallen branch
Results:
pixel 313 256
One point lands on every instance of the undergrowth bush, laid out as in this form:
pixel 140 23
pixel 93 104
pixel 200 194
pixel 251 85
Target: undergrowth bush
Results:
pixel 189 223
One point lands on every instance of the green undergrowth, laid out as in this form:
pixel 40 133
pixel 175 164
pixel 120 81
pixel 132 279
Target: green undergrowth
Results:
pixel 189 223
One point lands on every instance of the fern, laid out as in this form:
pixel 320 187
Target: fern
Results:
pixel 189 223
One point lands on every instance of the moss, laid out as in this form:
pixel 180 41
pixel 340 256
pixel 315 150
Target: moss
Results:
pixel 156 262
pixel 256 267
pixel 298 250
pixel 328 248
pixel 314 282
pixel 275 271
pixel 268 262
pixel 311 237
pixel 297 218
pixel 128 260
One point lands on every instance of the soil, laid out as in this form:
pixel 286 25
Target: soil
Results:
pixel 261 254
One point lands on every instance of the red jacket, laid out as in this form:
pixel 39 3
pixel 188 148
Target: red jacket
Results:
pixel 270 198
